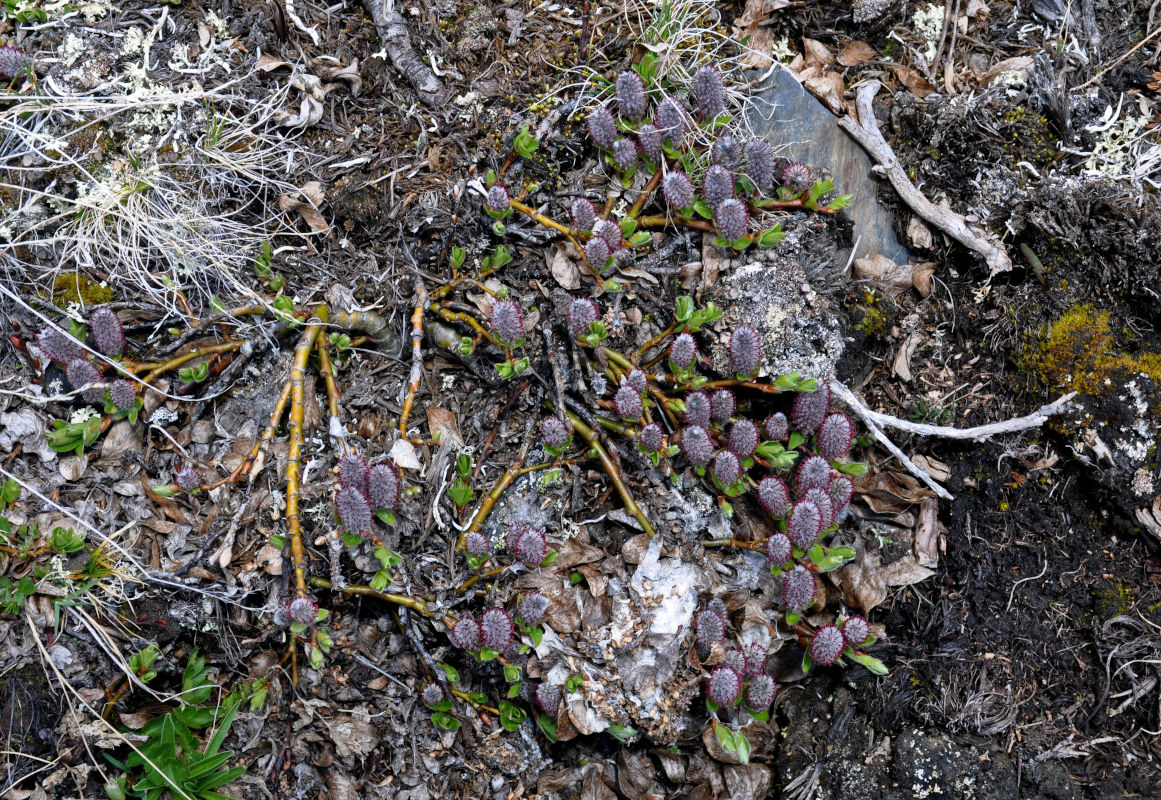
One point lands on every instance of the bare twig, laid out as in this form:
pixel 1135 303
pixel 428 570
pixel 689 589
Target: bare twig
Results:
pixel 865 131
pixel 876 421
pixel 396 38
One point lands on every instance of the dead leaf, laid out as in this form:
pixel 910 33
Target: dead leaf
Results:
pixel 918 234
pixel 890 491
pixel 352 736
pixel 307 209
pixel 1151 518
pixel 204 34
pixel 902 363
pixel 929 534
pixel 442 422
pixel 828 87
pixel 73 467
pixel 854 53
pixel 121 438
pixel 816 53
pixel 977 8
pixel 403 454
pixel 905 572
pixel 913 81
pixel 268 63
pixel 1020 64
pixel 563 266
pixel 860 581
pixel 933 467
pixel 334 72
pixel 892 278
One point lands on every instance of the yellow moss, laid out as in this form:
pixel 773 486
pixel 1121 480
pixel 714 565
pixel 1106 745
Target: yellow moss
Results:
pixel 1113 599
pixel 1079 353
pixel 873 319
pixel 77 287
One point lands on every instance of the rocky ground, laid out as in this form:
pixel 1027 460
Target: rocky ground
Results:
pixel 215 172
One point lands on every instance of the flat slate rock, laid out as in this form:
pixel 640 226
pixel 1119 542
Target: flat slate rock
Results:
pixel 805 130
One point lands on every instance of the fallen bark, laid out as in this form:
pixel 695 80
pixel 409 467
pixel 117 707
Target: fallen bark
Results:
pixel 396 38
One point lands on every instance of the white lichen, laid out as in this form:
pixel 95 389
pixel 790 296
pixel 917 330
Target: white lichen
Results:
pixel 928 24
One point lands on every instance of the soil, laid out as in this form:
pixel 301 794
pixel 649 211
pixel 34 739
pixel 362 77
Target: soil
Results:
pixel 1024 653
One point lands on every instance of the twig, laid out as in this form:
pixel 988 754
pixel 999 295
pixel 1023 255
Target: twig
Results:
pixel 874 419
pixel 953 224
pixel 614 473
pixel 338 433
pixel 392 29
pixel 1012 593
pixel 416 354
pixel 1113 65
pixel 294 452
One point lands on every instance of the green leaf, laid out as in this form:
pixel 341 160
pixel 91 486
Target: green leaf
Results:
pixel 703 210
pixel 796 441
pixel 490 178
pixel 350 539
pixel 461 493
pixel 547 726
pixel 511 715
pixel 833 557
pixel 458 255
pixel 771 237
pixel 453 675
pixel 840 202
pixel 786 383
pixel 873 665
pixel 499 228
pixel 807 385
pixel 513 690
pixel 388 557
pixel 381 580
pixel 624 733
pixel 445 721
pixel 743 747
pixel 536 635
pixel 741 243
pixel 512 673
pixel 725 738
pixel 854 468
pixel 478 698
pixel 487 654
pixel 761 716
pixel 385 516
pixel 628 227
pixel 792 617
pixel 640 239
pixel 550 559
pixel 573 683
pixel 278 541
pixel 684 308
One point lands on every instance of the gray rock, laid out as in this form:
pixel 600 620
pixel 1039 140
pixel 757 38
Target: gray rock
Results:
pixel 804 130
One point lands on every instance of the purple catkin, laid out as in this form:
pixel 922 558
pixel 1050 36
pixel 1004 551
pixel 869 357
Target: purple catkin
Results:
pixel 582 312
pixel 637 379
pixel 630 95
pixel 708 92
pixel 709 628
pixel 431 694
pixel 821 498
pixel 598 254
pixel 58 346
pixel 530 547
pixel 755 659
pixel 827 645
pixel 717 185
pixel 123 394
pixel 678 189
pixel 353 509
pixel 779 549
pixel 727 151
pixel 683 351
pixel 697 445
pixel 856 631
pixel 651 438
pixel 507 321
pixel 611 232
pixel 384 488
pixel 736 659
pixel 624 154
pixel 796 176
pixel 477 544
pixel 187 479
pixel 466 634
pixel 773 496
pixel 533 607
pixel 602 126
pixel 724 685
pixel 649 140
pixel 727 469
pixel 671 119
pixel 353 472
pixel 718 606
pixel 745 350
pixel 548 698
pixel 731 219
pixel 834 437
pixel 813 473
pixel 722 406
pixel 496 628
pixel 627 402
pixel 303 610
pixel 760 163
pixel 583 214
pixel 803 524
pixel 809 409
pixel 760 692
pixel 497 200
pixel 798 588
pixel 84 376
pixel 840 489
pixel 776 427
pixel 698 409
pixel 555 433
pixel 743 438
pixel 12 63
pixel 106 332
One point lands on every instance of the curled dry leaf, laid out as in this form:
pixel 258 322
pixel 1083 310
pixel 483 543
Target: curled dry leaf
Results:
pixel 311 195
pixel 442 422
pixel 854 53
pixel 562 263
pixel 902 363
pixel 913 81
pixel 930 534
pixel 403 454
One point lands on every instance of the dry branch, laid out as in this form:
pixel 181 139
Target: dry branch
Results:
pixel 396 38
pixel 865 131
